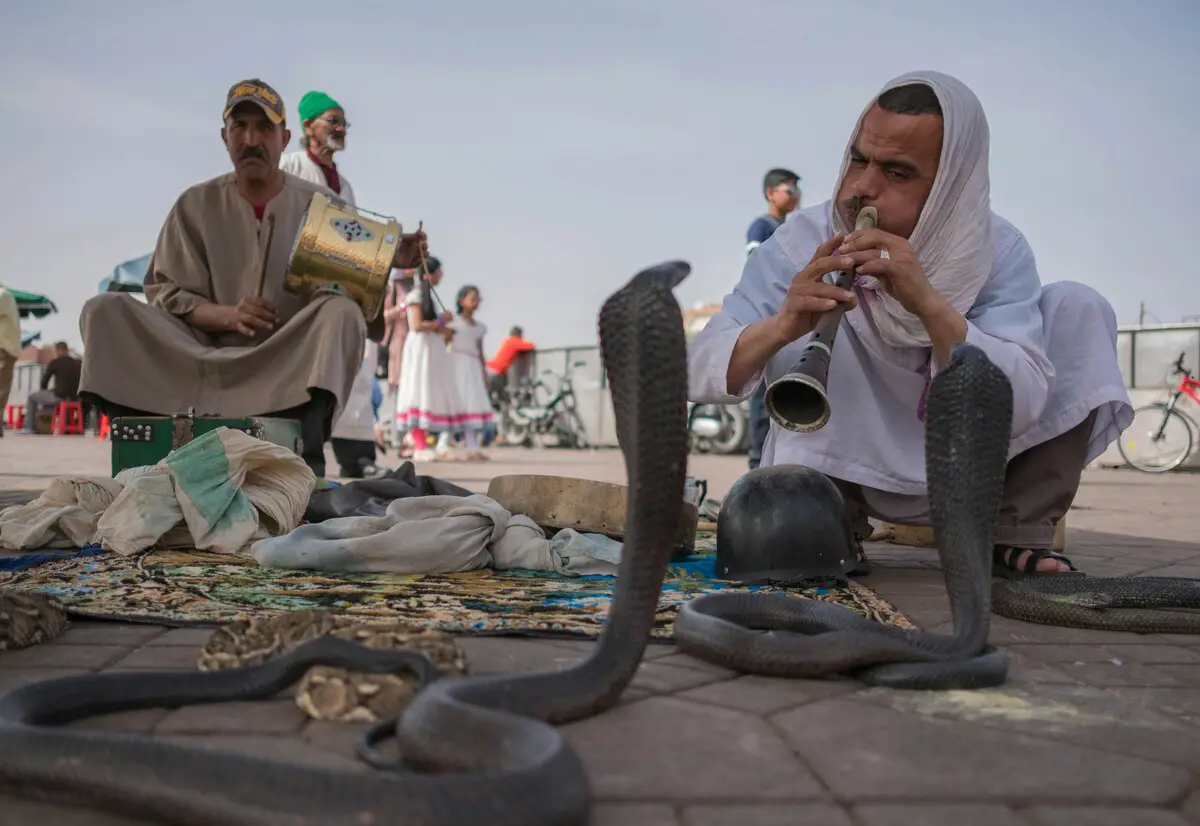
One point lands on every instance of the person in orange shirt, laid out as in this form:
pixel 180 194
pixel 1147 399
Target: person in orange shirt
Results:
pixel 506 353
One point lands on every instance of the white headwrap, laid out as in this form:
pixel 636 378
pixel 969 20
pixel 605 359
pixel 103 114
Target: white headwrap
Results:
pixel 952 238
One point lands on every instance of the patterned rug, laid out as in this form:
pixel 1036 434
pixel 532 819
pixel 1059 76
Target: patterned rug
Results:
pixel 197 588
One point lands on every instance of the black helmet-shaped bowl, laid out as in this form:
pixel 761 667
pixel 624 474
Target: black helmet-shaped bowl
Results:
pixel 783 524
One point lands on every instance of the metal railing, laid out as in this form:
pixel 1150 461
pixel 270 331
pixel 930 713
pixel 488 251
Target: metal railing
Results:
pixel 1146 352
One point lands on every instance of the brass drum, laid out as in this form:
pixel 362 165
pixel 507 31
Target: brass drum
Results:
pixel 346 250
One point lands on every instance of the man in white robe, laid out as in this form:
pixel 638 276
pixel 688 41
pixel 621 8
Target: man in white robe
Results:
pixel 324 124
pixel 940 268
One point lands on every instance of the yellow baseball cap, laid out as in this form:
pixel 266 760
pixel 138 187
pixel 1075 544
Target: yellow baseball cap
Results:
pixel 256 92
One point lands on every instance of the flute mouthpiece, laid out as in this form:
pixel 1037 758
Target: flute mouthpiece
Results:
pixel 868 218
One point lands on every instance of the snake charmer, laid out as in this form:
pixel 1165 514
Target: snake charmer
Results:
pixel 939 268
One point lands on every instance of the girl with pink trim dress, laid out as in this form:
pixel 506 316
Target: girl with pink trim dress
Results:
pixel 427 397
pixel 470 373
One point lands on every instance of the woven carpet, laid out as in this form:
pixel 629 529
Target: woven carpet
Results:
pixel 196 588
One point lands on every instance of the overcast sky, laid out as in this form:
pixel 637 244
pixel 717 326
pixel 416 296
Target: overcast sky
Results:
pixel 554 147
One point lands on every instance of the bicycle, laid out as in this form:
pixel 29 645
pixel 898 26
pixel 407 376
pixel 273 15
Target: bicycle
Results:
pixel 1158 416
pixel 524 420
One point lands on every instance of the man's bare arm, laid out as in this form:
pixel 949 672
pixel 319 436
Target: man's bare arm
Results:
pixel 754 348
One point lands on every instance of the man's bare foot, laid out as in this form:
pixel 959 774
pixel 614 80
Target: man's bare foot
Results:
pixel 1032 560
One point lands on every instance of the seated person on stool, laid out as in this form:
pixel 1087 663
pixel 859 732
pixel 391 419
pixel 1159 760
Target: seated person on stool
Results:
pixel 63 370
pixel 940 268
pixel 206 339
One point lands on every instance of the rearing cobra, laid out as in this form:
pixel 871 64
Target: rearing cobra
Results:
pixel 491 741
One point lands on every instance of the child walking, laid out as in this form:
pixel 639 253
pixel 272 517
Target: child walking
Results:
pixel 427 396
pixel 470 374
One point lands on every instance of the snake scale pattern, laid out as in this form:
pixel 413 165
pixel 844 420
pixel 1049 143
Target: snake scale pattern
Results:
pixel 485 749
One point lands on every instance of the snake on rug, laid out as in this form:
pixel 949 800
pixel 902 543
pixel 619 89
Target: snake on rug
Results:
pixel 336 694
pixel 492 741
pixel 29 618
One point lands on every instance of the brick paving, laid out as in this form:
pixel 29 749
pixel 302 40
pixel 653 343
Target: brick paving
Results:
pixel 1092 728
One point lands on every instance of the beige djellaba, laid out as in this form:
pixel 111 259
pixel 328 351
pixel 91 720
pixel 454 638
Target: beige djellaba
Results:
pixel 144 356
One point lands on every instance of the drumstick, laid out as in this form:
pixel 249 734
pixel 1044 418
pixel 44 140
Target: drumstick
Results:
pixel 266 255
pixel 425 269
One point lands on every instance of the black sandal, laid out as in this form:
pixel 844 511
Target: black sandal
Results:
pixel 862 566
pixel 1003 554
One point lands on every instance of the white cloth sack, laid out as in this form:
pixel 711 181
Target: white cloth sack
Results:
pixel 952 238
pixel 219 492
pixel 436 535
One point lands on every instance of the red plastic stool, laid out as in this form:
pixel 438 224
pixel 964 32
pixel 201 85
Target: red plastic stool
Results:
pixel 102 431
pixel 14 416
pixel 67 419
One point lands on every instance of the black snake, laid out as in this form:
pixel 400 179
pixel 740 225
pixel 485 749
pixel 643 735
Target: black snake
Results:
pixel 491 740
pixel 968 426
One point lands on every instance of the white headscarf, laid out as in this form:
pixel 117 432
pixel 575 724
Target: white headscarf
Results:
pixel 952 238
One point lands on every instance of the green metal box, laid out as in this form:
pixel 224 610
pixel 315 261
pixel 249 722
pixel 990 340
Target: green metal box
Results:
pixel 146 440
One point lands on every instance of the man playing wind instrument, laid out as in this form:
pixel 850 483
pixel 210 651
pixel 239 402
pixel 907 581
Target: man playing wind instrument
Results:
pixel 219 333
pixel 940 268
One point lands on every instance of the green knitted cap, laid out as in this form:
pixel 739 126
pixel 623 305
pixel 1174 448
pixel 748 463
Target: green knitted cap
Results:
pixel 314 104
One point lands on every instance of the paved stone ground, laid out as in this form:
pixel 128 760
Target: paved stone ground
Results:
pixel 1092 728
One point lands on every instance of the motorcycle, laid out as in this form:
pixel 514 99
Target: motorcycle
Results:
pixel 719 428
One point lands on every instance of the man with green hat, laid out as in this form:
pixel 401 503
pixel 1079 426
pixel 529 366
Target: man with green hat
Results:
pixel 219 332
pixel 325 127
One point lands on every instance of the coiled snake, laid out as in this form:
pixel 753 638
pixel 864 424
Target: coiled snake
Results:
pixel 492 740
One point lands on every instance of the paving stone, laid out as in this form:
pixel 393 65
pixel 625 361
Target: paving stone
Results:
pixel 1191 808
pixel 1157 654
pixel 766 695
pixel 688 661
pixel 11 678
pixel 659 678
pixel 654 650
pixel 865 752
pixel 632 814
pixel 156 657
pixel 799 814
pixel 1120 673
pixel 1185 674
pixel 1100 718
pixel 191 637
pixel 1026 671
pixel 506 655
pixel 19 812
pixel 1006 631
pixel 266 717
pixel 1096 816
pixel 336 738
pixel 947 814
pixel 64 656
pixel 108 633
pixel 665 749
pixel 281 748
pixel 1071 653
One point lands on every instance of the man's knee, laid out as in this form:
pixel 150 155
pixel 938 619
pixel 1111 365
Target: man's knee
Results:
pixel 342 315
pixel 1077 303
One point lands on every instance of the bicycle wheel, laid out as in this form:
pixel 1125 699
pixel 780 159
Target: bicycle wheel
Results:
pixel 1157 440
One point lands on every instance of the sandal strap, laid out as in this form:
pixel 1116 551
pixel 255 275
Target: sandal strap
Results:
pixel 1005 554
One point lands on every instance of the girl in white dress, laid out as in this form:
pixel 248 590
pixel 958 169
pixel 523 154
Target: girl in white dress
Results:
pixel 427 397
pixel 470 372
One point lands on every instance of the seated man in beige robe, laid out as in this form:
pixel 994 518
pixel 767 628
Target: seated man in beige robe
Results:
pixel 207 339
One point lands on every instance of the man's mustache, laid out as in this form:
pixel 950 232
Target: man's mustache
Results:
pixel 252 152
